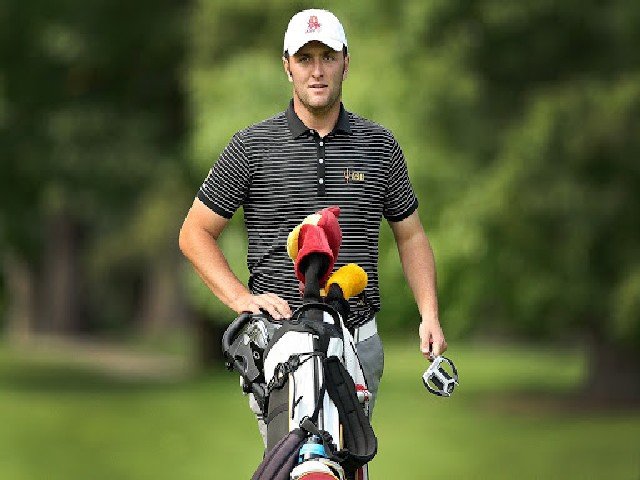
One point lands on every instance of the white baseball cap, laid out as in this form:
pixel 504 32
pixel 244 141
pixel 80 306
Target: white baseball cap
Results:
pixel 314 24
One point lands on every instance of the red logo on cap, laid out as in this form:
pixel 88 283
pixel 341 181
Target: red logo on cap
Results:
pixel 314 24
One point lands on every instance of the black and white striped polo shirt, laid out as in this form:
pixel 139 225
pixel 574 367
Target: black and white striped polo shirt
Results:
pixel 280 171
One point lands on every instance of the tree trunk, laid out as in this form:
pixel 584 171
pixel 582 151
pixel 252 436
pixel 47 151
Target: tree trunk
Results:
pixel 21 310
pixel 163 305
pixel 208 342
pixel 60 297
pixel 613 373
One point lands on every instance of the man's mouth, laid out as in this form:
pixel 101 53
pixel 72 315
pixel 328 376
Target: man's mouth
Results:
pixel 318 85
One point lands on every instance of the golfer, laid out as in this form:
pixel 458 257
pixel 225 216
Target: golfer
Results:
pixel 312 155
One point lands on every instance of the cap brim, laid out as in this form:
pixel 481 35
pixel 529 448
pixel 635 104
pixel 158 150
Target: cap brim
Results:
pixel 336 45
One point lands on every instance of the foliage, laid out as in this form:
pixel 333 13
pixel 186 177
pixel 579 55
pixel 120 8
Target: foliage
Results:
pixel 540 238
pixel 519 121
pixel 92 127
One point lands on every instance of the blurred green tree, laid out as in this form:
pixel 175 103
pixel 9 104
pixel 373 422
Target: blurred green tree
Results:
pixel 541 121
pixel 92 127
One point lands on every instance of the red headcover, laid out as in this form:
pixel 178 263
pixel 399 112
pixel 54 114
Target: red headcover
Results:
pixel 325 237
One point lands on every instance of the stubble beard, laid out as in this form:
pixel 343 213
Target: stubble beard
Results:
pixel 320 109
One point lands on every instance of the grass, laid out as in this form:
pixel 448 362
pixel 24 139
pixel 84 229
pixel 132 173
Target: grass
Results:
pixel 60 420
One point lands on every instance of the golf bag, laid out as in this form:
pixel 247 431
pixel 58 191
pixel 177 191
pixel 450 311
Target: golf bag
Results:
pixel 306 377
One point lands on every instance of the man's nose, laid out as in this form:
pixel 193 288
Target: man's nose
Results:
pixel 317 71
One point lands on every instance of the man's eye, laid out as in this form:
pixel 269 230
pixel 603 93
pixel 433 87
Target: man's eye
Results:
pixel 329 58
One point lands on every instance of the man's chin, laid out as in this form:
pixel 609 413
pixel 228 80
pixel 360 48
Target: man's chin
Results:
pixel 320 105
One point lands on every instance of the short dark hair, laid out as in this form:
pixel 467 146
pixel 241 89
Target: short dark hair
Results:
pixel 344 51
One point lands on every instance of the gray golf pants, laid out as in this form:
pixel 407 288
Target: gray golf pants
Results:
pixel 371 356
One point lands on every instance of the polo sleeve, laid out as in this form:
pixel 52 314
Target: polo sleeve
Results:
pixel 400 200
pixel 227 184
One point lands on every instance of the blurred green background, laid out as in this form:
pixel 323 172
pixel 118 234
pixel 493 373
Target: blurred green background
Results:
pixel 520 122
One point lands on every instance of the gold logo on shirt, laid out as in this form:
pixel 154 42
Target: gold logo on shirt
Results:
pixel 353 176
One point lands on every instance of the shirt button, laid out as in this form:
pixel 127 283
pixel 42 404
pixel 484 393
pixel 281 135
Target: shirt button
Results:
pixel 321 143
pixel 321 160
pixel 321 181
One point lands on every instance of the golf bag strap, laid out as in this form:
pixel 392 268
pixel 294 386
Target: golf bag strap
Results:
pixel 301 321
pixel 315 306
pixel 360 441
pixel 282 458
pixel 327 440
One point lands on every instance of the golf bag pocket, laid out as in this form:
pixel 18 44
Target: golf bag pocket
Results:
pixel 277 419
pixel 296 385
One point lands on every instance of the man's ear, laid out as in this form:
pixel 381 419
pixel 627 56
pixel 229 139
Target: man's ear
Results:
pixel 345 69
pixel 285 64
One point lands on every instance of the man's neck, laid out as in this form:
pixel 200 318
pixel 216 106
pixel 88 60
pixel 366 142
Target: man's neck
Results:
pixel 322 122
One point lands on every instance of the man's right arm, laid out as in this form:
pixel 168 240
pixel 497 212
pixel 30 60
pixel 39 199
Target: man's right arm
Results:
pixel 199 243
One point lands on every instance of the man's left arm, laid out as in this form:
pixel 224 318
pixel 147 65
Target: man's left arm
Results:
pixel 419 268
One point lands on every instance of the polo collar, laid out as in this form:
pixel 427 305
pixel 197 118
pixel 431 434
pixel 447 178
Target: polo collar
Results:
pixel 297 128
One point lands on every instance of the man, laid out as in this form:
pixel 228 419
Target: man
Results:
pixel 314 155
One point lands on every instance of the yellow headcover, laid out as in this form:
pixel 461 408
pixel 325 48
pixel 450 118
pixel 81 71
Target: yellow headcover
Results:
pixel 351 278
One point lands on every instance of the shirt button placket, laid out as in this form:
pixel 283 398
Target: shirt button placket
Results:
pixel 321 164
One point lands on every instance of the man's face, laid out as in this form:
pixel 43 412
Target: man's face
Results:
pixel 317 73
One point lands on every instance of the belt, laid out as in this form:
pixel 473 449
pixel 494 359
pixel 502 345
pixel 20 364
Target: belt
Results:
pixel 366 331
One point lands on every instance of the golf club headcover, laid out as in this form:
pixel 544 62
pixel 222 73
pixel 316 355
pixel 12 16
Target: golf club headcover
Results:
pixel 351 278
pixel 318 233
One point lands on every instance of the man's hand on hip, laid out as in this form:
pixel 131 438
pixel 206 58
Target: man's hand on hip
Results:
pixel 274 305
